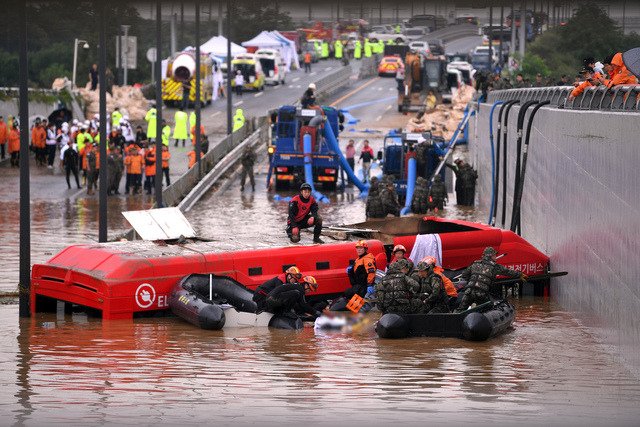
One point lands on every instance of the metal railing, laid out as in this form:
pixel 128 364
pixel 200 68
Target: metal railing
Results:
pixel 618 98
pixel 335 81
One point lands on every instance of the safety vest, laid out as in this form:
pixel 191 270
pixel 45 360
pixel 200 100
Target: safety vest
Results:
pixel 181 131
pixel 358 50
pixel 368 263
pixel 115 118
pixel 166 132
pixel 303 207
pixel 151 123
pixel 238 120
pixel 448 284
pixel 338 47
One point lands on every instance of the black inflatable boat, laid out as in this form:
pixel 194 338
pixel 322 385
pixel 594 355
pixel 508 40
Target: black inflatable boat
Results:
pixel 212 302
pixel 477 324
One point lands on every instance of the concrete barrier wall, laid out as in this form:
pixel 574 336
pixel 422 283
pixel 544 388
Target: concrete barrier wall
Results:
pixel 581 207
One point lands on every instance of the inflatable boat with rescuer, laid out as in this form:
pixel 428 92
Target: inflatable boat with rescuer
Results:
pixel 213 302
pixel 119 280
pixel 476 324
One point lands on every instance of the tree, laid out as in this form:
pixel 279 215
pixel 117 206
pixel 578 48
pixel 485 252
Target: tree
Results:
pixel 590 32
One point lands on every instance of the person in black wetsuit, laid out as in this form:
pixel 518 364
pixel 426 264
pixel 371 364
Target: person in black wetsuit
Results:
pixel 292 275
pixel 285 298
pixel 303 213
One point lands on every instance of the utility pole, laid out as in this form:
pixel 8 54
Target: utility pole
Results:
pixel 102 106
pixel 158 189
pixel 523 27
pixel 229 94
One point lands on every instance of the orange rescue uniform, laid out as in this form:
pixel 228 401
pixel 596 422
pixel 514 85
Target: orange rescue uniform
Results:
pixel 620 74
pixel 4 133
pixel 192 157
pixel 448 284
pixel 368 262
pixel 14 141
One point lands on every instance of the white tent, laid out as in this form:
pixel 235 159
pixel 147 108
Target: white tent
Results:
pixel 266 40
pixel 289 52
pixel 218 46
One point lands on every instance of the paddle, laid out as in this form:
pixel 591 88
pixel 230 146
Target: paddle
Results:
pixel 459 275
pixel 530 278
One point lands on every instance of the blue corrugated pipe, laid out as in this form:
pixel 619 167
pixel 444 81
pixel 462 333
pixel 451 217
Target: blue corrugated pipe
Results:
pixel 411 185
pixel 493 160
pixel 308 169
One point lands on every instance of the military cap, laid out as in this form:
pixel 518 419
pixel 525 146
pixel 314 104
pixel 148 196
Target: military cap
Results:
pixel 403 263
pixel 422 266
pixel 489 251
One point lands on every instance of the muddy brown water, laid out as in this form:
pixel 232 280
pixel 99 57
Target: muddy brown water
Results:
pixel 72 369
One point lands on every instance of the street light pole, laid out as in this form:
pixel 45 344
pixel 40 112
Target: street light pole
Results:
pixel 75 57
pixel 125 48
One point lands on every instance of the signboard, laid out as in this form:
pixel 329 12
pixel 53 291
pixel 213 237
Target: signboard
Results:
pixel 131 50
pixel 160 224
pixel 514 63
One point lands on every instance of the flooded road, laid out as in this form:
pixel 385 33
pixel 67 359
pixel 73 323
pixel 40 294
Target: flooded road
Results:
pixel 70 369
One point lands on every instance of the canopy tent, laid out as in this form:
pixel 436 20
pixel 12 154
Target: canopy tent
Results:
pixel 266 40
pixel 289 53
pixel 215 59
pixel 218 46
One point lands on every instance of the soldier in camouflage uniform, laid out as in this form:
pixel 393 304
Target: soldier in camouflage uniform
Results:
pixel 420 275
pixel 390 197
pixel 421 157
pixel 437 300
pixel 419 203
pixel 438 192
pixel 374 207
pixel 480 275
pixel 396 290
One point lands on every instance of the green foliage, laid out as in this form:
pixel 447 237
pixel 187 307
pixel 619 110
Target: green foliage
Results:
pixel 253 16
pixel 533 65
pixel 9 66
pixel 590 32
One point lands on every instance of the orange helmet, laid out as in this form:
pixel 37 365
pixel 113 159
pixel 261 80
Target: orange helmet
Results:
pixel 362 244
pixel 295 272
pixel 311 282
pixel 399 248
pixel 430 260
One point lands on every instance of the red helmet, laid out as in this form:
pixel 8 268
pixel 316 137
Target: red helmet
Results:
pixel 399 248
pixel 311 282
pixel 430 260
pixel 362 244
pixel 295 272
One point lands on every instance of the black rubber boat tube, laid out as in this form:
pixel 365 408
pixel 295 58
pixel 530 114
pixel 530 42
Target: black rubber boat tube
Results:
pixel 517 198
pixel 496 182
pixel 504 159
pixel 516 178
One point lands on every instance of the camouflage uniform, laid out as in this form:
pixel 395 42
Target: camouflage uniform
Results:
pixel 396 290
pixel 390 197
pixel 480 275
pixel 437 301
pixel 421 159
pixel 438 192
pixel 419 201
pixel 468 185
pixel 374 207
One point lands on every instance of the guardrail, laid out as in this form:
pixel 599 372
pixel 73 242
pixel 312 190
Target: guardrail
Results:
pixel 618 98
pixel 453 32
pixel 369 66
pixel 330 84
pixel 257 137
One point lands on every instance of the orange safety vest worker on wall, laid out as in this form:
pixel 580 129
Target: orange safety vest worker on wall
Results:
pixel 618 72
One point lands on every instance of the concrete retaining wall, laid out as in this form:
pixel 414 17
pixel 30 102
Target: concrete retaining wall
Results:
pixel 581 207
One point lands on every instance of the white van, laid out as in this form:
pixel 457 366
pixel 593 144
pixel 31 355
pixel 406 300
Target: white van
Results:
pixel 273 66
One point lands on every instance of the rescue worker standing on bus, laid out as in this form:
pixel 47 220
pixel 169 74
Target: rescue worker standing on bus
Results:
pixel 363 272
pixel 292 275
pixel 303 213
pixel 480 275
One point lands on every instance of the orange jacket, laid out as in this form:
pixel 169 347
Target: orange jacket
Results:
pixel 368 262
pixel 448 284
pixel 133 162
pixel 165 158
pixel 192 157
pixel 39 137
pixel 150 162
pixel 83 154
pixel 307 58
pixel 14 141
pixel 578 90
pixel 620 74
pixel 4 133
pixel 193 134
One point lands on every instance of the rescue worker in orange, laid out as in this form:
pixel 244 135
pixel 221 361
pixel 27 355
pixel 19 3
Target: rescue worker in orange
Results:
pixel 307 62
pixel 14 145
pixel 38 141
pixel 451 290
pixel 292 275
pixel 363 273
pixel 618 73
pixel 193 134
pixel 150 168
pixel 192 157
pixel 165 164
pixel 589 80
pixel 4 135
pixel 400 252
pixel 133 162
